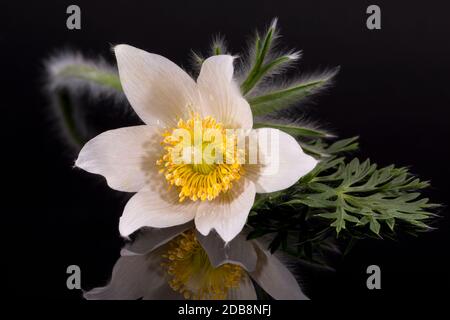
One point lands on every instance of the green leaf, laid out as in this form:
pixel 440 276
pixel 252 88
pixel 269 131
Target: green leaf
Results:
pixel 339 217
pixel 320 149
pixel 196 60
pixel 314 150
pixel 263 199
pixel 265 62
pixel 218 46
pixel 344 145
pixel 102 77
pixel 294 130
pixel 264 69
pixel 65 104
pixel 359 192
pixel 285 96
pixel 391 223
pixel 261 51
pixel 374 226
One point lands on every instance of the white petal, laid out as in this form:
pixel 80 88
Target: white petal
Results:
pixel 275 278
pixel 155 206
pixel 238 251
pixel 163 292
pixel 123 156
pixel 151 238
pixel 157 89
pixel 245 291
pixel 131 278
pixel 221 94
pixel 285 162
pixel 227 213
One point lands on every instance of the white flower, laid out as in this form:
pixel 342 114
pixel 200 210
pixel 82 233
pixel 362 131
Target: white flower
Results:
pixel 180 263
pixel 216 196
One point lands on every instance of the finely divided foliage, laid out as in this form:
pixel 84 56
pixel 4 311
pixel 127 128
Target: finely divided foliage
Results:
pixel 344 197
pixel 361 194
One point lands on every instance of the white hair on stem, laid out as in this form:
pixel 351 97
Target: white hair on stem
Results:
pixel 293 90
pixel 66 91
pixel 218 45
pixel 62 68
pixel 325 77
pixel 289 118
pixel 196 58
pixel 289 57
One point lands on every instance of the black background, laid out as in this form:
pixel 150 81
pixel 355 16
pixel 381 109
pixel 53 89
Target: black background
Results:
pixel 393 91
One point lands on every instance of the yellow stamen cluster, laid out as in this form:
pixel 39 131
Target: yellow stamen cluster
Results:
pixel 191 273
pixel 213 158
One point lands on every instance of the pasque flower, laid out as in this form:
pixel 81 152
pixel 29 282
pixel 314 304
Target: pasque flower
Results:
pixel 217 195
pixel 180 263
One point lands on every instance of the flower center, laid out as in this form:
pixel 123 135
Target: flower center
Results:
pixel 201 158
pixel 192 274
